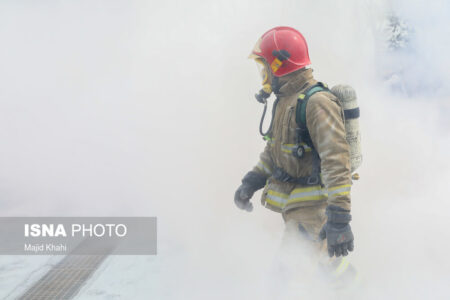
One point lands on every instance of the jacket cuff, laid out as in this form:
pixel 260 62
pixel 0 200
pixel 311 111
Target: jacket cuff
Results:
pixel 339 196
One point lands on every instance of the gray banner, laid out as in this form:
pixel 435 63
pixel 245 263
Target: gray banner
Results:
pixel 78 235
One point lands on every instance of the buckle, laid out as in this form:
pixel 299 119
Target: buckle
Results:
pixel 298 151
pixel 313 180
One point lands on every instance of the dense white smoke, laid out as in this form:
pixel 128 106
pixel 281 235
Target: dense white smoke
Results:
pixel 147 108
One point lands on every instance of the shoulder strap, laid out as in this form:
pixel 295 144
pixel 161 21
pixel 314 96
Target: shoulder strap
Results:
pixel 303 133
pixel 300 117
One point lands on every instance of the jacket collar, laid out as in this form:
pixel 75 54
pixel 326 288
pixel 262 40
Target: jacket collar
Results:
pixel 295 82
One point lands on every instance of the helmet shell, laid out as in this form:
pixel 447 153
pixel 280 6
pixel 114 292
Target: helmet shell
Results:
pixel 284 49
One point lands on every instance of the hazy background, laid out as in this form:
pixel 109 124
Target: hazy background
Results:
pixel 146 108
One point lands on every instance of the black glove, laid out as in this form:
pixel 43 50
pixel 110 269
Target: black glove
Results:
pixel 242 197
pixel 337 231
pixel 252 182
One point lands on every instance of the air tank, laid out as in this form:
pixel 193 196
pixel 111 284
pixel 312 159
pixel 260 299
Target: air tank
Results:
pixel 347 96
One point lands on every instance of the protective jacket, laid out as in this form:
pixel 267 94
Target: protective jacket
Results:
pixel 325 123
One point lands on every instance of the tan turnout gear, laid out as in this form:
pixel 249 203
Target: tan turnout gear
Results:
pixel 305 168
pixel 325 123
pixel 302 230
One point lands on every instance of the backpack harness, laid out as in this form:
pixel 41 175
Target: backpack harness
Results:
pixel 303 138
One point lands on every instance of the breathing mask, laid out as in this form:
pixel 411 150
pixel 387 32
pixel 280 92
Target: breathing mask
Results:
pixel 266 76
pixel 268 80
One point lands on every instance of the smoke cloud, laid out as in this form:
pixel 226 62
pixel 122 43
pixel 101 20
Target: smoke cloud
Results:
pixel 122 108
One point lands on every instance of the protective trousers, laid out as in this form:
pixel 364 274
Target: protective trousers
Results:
pixel 301 237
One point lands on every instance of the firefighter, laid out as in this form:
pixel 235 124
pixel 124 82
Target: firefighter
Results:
pixel 305 167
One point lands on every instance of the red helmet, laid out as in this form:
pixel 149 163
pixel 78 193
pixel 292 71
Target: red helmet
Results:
pixel 284 49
